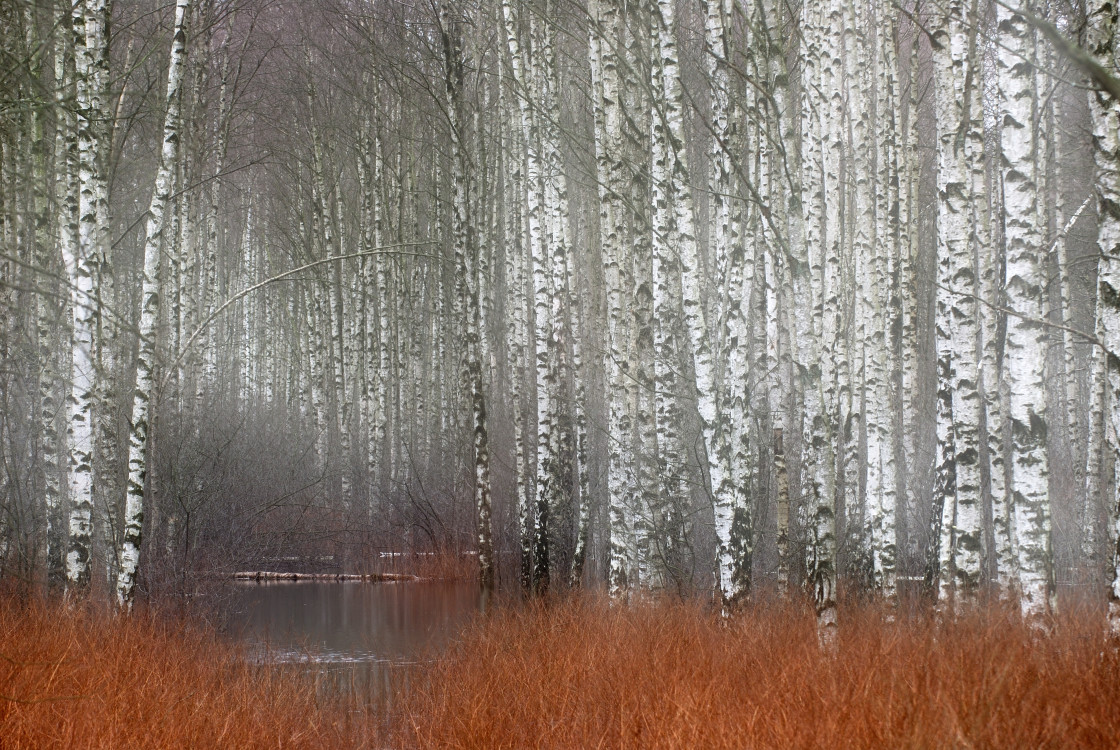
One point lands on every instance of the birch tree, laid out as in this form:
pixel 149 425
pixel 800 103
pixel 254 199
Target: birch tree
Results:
pixel 1026 335
pixel 607 29
pixel 541 309
pixel 958 510
pixel 733 571
pixel 1105 112
pixel 662 461
pixel 818 177
pixel 67 220
pixel 144 390
pixel 734 255
pixel 518 329
pixel 82 264
pixel 883 492
pixel 467 262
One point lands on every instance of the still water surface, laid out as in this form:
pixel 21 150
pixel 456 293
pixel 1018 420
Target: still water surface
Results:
pixel 352 636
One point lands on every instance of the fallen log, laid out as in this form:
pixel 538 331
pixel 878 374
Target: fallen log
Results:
pixel 272 575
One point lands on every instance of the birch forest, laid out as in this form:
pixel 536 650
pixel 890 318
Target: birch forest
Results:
pixel 735 299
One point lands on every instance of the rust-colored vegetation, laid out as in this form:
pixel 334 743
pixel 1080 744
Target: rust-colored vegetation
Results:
pixel 585 675
pixel 577 673
pixel 76 679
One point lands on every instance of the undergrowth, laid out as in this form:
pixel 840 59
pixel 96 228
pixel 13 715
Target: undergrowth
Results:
pixel 577 673
pixel 72 678
pixel 671 675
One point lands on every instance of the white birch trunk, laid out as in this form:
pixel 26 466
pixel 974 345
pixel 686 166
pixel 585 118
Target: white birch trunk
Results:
pixel 1105 112
pixel 730 570
pixel 518 328
pixel 1026 334
pixel 578 329
pixel 785 191
pixel 939 573
pixel 43 313
pixel 818 480
pixel 565 316
pixel 665 486
pixel 143 392
pixel 247 360
pixel 316 318
pixel 1098 419
pixel 367 322
pixel 538 252
pixel 961 542
pixel 606 42
pixel 910 160
pixel 210 292
pixel 877 388
pixel 89 20
pixel 467 261
pixel 384 339
pixel 108 489
pixel 735 254
pixel 66 202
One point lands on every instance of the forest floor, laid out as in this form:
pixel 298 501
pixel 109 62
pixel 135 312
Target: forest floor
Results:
pixel 576 673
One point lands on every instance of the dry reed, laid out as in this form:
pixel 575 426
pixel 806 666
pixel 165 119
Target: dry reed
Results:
pixel 71 678
pixel 587 675
pixel 577 673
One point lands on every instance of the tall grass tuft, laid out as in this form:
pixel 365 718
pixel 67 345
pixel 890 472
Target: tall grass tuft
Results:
pixel 584 674
pixel 577 673
pixel 71 678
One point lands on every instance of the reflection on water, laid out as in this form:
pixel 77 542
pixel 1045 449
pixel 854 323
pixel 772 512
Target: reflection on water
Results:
pixel 352 636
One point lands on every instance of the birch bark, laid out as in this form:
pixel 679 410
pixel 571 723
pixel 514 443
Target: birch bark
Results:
pixel 143 392
pixel 785 185
pixel 732 571
pixel 909 313
pixel 467 263
pixel 513 190
pixel 66 202
pixel 607 35
pixel 961 541
pixel 89 23
pixel 1026 335
pixel 881 479
pixel 817 179
pixel 666 487
pixel 1104 44
pixel 209 294
pixel 538 252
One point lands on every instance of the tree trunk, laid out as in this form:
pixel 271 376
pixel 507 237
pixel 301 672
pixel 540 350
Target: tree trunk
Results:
pixel 1026 333
pixel 467 264
pixel 90 21
pixel 1103 43
pixel 734 555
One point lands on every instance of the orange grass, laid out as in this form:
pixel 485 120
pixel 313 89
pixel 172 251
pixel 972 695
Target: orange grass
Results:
pixel 74 679
pixel 576 673
pixel 582 674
